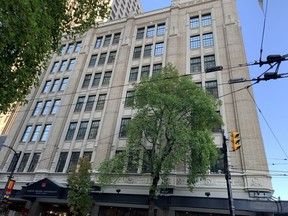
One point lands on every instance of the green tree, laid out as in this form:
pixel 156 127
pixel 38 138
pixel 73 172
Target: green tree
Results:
pixel 172 126
pixel 29 31
pixel 79 200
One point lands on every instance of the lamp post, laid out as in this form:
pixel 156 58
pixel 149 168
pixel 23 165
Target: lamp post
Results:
pixel 10 177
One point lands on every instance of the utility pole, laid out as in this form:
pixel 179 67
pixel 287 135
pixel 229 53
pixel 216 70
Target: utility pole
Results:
pixel 228 176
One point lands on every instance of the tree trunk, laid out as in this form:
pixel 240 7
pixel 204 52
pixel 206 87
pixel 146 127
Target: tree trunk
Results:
pixel 152 195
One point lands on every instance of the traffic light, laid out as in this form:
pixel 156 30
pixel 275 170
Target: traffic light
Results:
pixel 235 139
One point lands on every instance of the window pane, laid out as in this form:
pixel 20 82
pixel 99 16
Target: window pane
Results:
pixel 112 57
pixel 34 162
pixel 73 160
pixel 145 72
pixel 61 162
pixel 195 42
pixel 55 67
pixel 133 74
pixel 148 50
pixel 161 29
pixel 140 33
pixel 101 102
pixel 37 108
pixel 23 162
pixel 13 163
pixel 70 48
pixel 106 79
pixel 124 123
pixel 206 20
pixel 102 59
pixel 63 84
pixel 212 88
pixel 93 129
pixel 90 103
pixel 26 133
pixel 55 106
pixel 77 47
pixel 45 132
pixel 150 31
pixel 35 133
pixel 107 40
pixel 96 80
pixel 156 69
pixel 159 49
pixel 116 38
pixel 194 22
pixel 208 40
pixel 137 52
pixel 46 107
pixel 209 61
pixel 71 64
pixel 86 81
pixel 88 154
pixel 92 61
pixel 46 86
pixel 128 99
pixel 98 42
pixel 195 65
pixel 82 130
pixel 71 131
pixel 63 65
pixel 55 85
pixel 79 104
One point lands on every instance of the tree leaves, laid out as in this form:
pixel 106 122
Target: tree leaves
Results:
pixel 29 31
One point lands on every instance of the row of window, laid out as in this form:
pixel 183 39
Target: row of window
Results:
pixel 90 103
pixel 56 86
pixel 82 130
pixel 148 50
pixel 105 41
pixel 195 63
pixel 97 79
pixel 207 40
pixel 23 163
pixel 71 47
pixel 206 20
pixel 150 31
pixel 55 68
pixel 72 162
pixel 48 108
pixel 36 132
pixel 145 71
pixel 102 59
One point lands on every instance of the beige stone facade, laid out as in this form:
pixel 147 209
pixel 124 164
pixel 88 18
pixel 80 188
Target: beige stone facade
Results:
pixel 78 109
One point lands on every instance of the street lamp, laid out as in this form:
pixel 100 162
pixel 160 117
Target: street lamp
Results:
pixel 10 177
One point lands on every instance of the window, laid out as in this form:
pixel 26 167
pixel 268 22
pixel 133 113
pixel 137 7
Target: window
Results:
pixel 206 20
pixel 195 65
pixel 34 162
pixel 116 38
pixel 88 154
pixel 146 165
pixel 211 87
pixel 137 52
pixel 55 85
pixel 77 47
pixel 79 104
pixel 71 131
pixel 93 129
pixel 23 162
pixel 148 50
pixel 63 84
pixel 61 162
pixel 45 133
pixel 26 133
pixel 98 42
pixel 194 22
pixel 195 42
pixel 70 48
pixel 92 61
pixel 102 58
pixel 156 69
pixel 145 72
pixel 46 86
pixel 208 40
pixel 101 102
pixel 132 167
pixel 73 160
pixel 90 103
pixel 209 61
pixel 159 48
pixel 55 67
pixel 13 163
pixel 63 48
pixel 71 64
pixel 140 33
pixel 37 108
pixel 124 123
pixel 107 40
pixel 133 74
pixel 86 80
pixel 161 29
pixel 35 133
pixel 106 79
pixel 112 57
pixel 55 106
pixel 218 168
pixel 96 80
pixel 63 66
pixel 128 99
pixel 46 107
pixel 150 31
pixel 82 130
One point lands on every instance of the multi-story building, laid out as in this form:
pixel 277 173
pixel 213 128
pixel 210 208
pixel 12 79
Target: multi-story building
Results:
pixel 79 109
pixel 122 8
